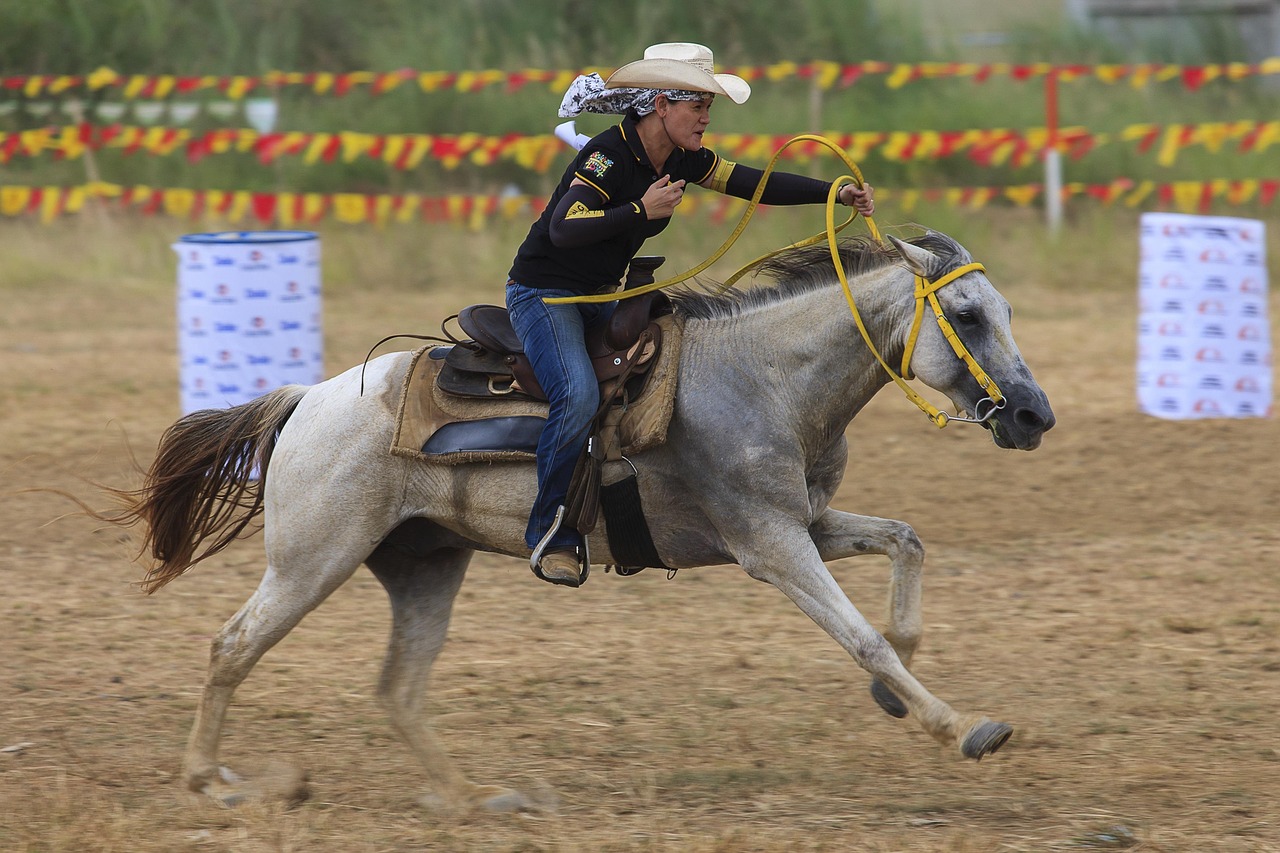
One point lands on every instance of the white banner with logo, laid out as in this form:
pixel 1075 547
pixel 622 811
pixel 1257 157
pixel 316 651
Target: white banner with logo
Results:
pixel 1204 338
pixel 249 315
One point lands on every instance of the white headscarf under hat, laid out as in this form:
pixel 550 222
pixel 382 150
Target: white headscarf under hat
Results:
pixel 587 94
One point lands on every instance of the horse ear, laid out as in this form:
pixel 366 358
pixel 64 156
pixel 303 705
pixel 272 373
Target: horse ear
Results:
pixel 919 260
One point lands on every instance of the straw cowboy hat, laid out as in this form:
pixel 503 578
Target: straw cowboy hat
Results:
pixel 679 65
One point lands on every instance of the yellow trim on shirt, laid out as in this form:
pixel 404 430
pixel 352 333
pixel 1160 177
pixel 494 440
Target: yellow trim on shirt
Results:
pixel 720 174
pixel 593 186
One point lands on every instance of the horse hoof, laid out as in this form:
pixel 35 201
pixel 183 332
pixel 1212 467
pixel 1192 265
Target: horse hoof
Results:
pixel 985 738
pixel 887 699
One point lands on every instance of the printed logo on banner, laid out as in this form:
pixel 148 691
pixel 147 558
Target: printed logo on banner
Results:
pixel 259 360
pixel 1206 407
pixel 292 292
pixel 226 360
pixel 285 259
pixel 257 328
pixel 222 327
pixel 293 359
pixel 224 261
pixel 1213 331
pixel 1173 281
pixel 256 293
pixel 196 327
pixel 255 260
pixel 222 294
pixel 1209 355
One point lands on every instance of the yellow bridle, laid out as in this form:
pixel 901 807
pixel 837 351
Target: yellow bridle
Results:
pixel 924 289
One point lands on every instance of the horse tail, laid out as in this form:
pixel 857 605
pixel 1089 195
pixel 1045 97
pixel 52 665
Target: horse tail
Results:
pixel 206 482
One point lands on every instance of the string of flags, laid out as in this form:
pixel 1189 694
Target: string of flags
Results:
pixel 823 73
pixel 538 153
pixel 292 209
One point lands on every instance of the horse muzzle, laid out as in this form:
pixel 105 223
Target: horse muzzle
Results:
pixel 1020 426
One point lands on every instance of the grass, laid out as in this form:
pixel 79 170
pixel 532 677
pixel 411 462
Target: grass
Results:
pixel 244 37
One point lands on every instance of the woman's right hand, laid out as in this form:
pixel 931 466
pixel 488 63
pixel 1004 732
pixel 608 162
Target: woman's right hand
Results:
pixel 661 198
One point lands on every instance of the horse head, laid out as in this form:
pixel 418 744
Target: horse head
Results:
pixel 1016 410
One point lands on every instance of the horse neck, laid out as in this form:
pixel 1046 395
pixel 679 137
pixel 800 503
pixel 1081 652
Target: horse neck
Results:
pixel 804 352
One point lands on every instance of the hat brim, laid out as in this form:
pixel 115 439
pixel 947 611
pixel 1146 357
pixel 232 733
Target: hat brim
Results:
pixel 674 74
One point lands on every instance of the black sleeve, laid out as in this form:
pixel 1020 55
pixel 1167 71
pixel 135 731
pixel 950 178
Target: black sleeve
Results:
pixel 783 187
pixel 578 219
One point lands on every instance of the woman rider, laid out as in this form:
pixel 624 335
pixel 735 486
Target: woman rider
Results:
pixel 620 190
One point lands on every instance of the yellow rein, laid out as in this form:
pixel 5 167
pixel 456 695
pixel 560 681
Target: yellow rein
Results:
pixel 923 290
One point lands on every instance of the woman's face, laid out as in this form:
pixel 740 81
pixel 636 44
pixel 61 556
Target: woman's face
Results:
pixel 686 121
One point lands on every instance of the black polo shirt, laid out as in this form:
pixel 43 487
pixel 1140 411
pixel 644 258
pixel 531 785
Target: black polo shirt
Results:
pixel 615 164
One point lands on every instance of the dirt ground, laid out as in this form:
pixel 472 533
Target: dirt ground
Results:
pixel 1114 595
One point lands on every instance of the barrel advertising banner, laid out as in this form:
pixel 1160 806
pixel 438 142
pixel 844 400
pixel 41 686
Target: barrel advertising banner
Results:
pixel 249 315
pixel 1204 337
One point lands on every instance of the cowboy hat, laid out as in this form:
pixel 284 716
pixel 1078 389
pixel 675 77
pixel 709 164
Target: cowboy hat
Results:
pixel 678 65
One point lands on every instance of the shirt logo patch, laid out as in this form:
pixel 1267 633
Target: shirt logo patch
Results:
pixel 597 163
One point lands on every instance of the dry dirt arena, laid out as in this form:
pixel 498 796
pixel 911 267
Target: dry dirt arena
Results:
pixel 1114 595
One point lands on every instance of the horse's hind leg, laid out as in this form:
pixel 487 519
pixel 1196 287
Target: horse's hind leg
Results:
pixel 422 585
pixel 286 593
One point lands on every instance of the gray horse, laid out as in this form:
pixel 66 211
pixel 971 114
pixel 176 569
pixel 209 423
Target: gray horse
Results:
pixel 769 378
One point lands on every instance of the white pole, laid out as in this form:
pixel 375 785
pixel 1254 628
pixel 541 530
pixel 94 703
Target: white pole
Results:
pixel 1053 190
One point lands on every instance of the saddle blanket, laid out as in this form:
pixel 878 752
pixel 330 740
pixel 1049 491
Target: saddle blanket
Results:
pixel 512 426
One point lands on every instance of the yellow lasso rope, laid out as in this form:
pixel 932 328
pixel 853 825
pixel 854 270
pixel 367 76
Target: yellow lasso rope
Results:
pixel 855 178
pixel 924 289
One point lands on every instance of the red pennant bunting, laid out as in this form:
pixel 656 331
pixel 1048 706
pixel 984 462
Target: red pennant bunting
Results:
pixel 264 207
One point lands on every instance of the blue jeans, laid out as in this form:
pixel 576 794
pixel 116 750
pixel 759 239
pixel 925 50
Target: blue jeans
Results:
pixel 554 339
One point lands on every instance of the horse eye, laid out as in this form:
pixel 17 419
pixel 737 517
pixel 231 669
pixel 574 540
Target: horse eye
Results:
pixel 969 318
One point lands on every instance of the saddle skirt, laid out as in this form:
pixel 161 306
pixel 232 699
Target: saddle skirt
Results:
pixel 436 424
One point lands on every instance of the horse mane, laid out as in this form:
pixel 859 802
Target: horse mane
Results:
pixel 797 271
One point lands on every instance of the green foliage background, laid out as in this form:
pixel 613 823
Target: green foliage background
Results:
pixel 249 37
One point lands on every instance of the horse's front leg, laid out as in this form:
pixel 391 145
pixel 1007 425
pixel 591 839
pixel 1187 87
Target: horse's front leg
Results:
pixel 842 534
pixel 792 564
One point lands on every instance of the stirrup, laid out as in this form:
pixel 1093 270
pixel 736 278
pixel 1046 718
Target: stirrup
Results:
pixel 583 553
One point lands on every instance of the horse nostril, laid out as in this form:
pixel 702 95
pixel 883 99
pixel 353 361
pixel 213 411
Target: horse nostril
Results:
pixel 1031 421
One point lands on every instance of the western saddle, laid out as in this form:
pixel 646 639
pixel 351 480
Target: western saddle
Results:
pixel 493 362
